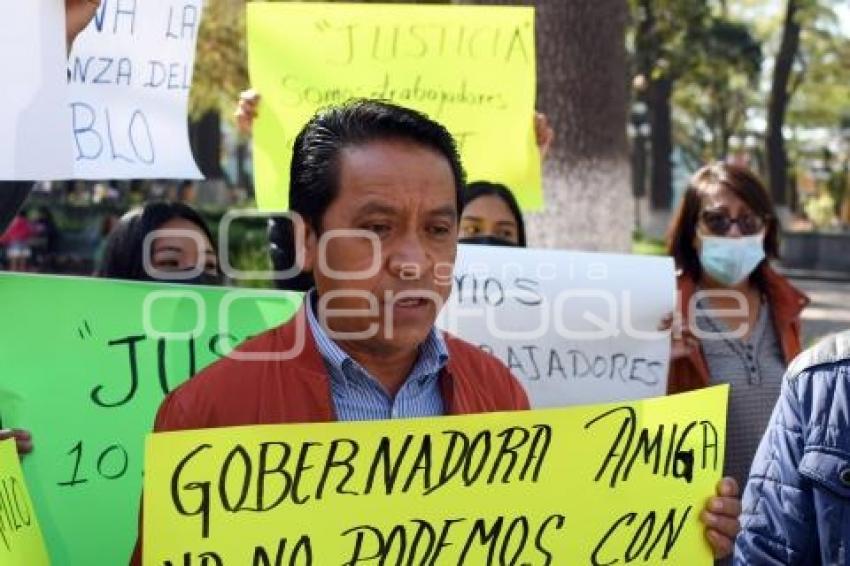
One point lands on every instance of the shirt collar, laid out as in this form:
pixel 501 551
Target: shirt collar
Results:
pixel 433 353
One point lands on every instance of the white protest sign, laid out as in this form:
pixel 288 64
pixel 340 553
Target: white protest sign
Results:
pixel 130 73
pixel 573 327
pixel 34 141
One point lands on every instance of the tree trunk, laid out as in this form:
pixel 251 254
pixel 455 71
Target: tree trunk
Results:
pixel 658 94
pixel 661 187
pixel 582 88
pixel 777 159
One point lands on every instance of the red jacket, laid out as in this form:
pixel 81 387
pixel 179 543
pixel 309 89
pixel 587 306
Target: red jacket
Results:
pixel 786 303
pixel 20 230
pixel 231 392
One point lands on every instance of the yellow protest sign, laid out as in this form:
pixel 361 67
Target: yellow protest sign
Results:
pixel 472 68
pixel 21 543
pixel 596 485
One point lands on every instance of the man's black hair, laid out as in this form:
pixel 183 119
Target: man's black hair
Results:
pixel 314 172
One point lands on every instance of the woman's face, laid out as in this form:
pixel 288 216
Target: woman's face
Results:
pixel 180 245
pixel 724 214
pixel 489 216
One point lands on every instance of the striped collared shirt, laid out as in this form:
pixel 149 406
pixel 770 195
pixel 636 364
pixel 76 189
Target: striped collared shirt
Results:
pixel 358 396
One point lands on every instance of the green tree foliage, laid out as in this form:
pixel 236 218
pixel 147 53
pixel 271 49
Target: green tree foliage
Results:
pixel 820 84
pixel 221 66
pixel 718 88
pixel 694 62
pixel 663 39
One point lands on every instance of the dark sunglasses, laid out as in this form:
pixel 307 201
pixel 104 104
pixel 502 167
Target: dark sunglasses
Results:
pixel 719 223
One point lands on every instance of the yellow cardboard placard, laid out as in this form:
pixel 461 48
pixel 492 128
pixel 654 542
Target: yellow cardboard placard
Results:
pixel 472 68
pixel 21 542
pixel 583 485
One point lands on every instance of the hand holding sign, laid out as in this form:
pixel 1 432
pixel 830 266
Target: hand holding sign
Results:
pixel 721 516
pixel 23 439
pixel 590 485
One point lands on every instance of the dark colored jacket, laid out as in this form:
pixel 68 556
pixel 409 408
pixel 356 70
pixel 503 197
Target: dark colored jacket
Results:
pixel 786 303
pixel 797 501
pixel 295 387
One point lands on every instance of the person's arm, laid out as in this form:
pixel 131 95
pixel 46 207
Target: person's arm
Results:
pixel 778 523
pixel 246 111
pixel 78 14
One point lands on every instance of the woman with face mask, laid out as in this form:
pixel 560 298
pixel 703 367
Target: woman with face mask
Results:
pixel 491 216
pixel 163 241
pixel 739 318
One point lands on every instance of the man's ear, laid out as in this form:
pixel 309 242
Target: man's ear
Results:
pixel 310 240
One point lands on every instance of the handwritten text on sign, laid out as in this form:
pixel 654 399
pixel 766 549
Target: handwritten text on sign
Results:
pixel 471 68
pixel 586 485
pixel 21 543
pixel 130 73
pixel 102 357
pixel 572 327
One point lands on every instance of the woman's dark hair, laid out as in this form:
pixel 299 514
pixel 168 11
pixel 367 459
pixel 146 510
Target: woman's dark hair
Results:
pixel 745 185
pixel 122 258
pixel 478 189
pixel 314 169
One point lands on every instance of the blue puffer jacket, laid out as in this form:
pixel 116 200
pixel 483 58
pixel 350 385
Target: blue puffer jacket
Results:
pixel 797 500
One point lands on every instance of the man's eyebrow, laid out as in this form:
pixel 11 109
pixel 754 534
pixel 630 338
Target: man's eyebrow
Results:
pixel 509 223
pixel 448 210
pixel 375 208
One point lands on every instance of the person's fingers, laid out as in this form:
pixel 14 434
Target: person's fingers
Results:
pixel 23 438
pixel 245 111
pixel 726 526
pixel 728 487
pixel 721 546
pixel 727 506
pixel 680 349
pixel 666 322
pixel 24 446
pixel 21 434
pixel 18 433
pixel 250 96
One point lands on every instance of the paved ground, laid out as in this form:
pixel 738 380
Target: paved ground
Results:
pixel 830 308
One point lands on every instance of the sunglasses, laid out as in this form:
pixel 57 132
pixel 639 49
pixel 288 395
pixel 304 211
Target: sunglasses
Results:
pixel 719 223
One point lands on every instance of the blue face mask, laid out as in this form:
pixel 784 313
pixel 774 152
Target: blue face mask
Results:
pixel 486 241
pixel 731 260
pixel 202 278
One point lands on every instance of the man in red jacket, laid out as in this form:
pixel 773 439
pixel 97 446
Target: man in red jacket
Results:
pixel 378 188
